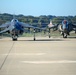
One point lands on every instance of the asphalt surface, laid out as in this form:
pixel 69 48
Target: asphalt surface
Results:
pixel 54 56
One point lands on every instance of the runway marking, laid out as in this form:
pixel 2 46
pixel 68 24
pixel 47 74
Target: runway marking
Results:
pixel 26 54
pixel 50 62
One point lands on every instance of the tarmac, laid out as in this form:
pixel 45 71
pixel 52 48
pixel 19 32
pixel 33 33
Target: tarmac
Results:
pixel 54 56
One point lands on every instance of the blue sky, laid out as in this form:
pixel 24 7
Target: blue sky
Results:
pixel 39 7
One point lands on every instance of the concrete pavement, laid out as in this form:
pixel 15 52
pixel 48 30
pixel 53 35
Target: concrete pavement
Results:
pixel 54 56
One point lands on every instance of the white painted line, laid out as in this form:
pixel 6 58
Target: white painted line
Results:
pixel 26 54
pixel 49 62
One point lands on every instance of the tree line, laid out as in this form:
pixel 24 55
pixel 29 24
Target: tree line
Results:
pixel 42 19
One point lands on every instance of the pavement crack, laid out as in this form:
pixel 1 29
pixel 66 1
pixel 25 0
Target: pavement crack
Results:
pixel 7 56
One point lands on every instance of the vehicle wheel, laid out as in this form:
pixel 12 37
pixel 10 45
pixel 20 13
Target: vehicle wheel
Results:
pixel 49 36
pixel 34 39
pixel 64 35
pixel 14 39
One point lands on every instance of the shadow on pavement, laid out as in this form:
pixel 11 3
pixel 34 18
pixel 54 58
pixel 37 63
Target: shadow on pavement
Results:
pixel 43 40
